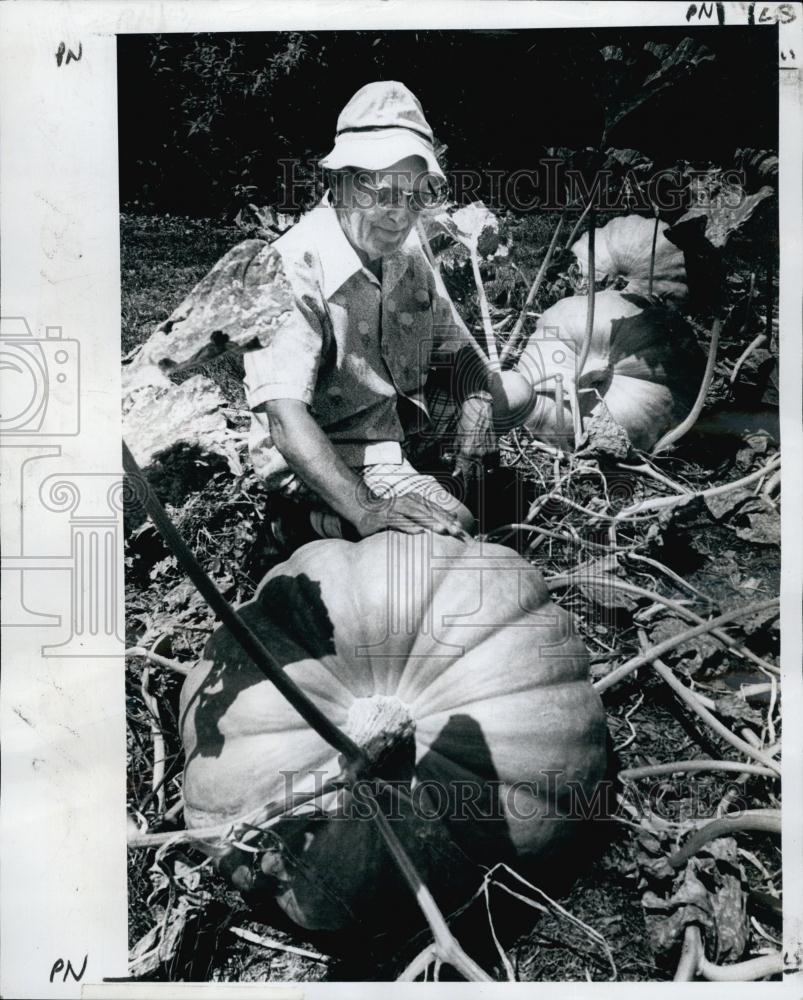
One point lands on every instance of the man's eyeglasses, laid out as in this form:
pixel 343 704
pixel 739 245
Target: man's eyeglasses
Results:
pixel 424 193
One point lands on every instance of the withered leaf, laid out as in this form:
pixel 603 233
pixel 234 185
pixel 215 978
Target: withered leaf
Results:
pixel 763 526
pixel 726 208
pixel 710 892
pixel 157 418
pixel 722 504
pixel 233 309
pixel 604 436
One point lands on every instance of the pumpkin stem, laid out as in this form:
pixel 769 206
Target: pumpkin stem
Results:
pixel 577 225
pixel 485 312
pixel 760 340
pixel 379 725
pixel 652 251
pixel 560 424
pixel 446 946
pixel 586 347
pixel 513 339
pixel 686 425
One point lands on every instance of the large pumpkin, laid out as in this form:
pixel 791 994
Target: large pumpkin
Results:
pixel 644 365
pixel 449 657
pixel 622 253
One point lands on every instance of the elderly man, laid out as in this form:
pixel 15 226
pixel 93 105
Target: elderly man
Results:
pixel 343 383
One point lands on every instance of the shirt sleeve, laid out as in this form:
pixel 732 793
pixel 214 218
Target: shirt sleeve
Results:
pixel 287 366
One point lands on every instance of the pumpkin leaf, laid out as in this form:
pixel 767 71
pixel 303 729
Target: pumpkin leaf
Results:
pixel 162 943
pixel 233 309
pixel 758 165
pixel 630 159
pixel 702 259
pixel 144 957
pixel 704 652
pixel 768 381
pixel 158 418
pixel 665 66
pixel 724 205
pixel 263 222
pixel 475 226
pixel 763 527
pixel 720 505
pixel 603 436
pixel 731 706
pixel 711 893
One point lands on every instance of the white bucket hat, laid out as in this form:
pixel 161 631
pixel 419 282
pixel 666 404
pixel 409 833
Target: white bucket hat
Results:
pixel 382 124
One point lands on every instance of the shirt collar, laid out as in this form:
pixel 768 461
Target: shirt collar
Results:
pixel 339 259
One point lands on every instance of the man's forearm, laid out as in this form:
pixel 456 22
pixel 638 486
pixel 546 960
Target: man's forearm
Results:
pixel 312 457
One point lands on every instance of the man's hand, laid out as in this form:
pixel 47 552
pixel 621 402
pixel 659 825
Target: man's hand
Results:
pixel 311 455
pixel 477 445
pixel 413 513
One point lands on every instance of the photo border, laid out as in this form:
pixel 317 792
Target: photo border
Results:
pixel 62 811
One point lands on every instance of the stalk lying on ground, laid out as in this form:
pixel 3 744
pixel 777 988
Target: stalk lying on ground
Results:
pixel 757 820
pixel 678 640
pixel 694 963
pixel 571 579
pixel 677 766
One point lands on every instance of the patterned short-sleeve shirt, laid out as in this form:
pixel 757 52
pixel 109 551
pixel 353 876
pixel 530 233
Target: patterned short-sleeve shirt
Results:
pixel 352 345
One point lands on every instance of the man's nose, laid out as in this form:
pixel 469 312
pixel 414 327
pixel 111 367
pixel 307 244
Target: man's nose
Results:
pixel 398 215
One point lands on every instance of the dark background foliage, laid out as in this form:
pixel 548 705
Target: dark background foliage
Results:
pixel 205 120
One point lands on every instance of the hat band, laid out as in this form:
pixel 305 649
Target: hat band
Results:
pixel 382 128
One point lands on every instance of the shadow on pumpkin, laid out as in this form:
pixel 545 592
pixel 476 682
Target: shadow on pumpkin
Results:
pixel 447 835
pixel 466 797
pixel 555 871
pixel 291 620
pixel 673 360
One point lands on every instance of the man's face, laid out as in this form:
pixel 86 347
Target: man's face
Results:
pixel 375 207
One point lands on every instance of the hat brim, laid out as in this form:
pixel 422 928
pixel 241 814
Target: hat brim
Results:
pixel 381 149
